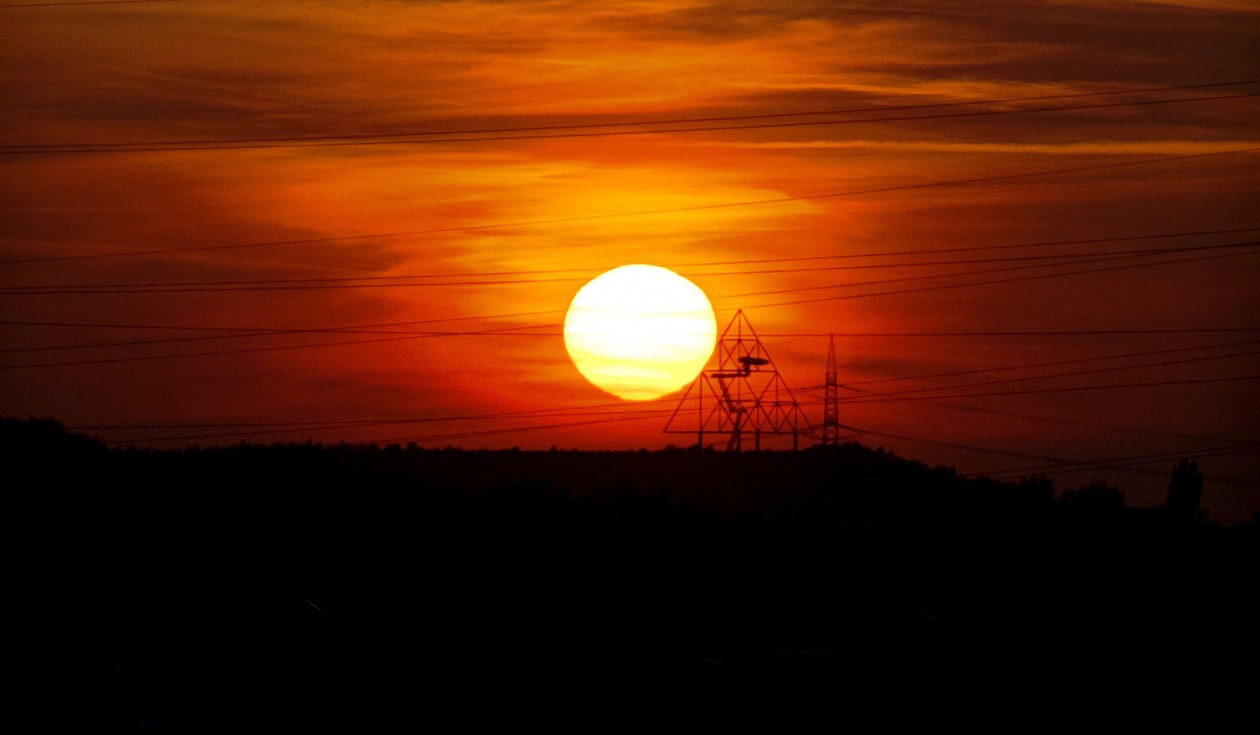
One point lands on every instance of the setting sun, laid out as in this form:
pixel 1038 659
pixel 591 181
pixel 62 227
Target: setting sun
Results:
pixel 640 331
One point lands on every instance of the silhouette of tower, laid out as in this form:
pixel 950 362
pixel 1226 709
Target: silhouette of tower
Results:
pixel 744 394
pixel 831 400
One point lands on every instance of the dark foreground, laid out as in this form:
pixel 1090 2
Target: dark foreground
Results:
pixel 349 589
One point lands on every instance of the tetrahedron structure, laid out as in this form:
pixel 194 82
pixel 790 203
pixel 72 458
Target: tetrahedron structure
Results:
pixel 743 394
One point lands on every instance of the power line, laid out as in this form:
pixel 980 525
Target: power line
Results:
pixel 661 121
pixel 87 3
pixel 238 351
pixel 1020 333
pixel 249 332
pixel 633 123
pixel 1069 374
pixel 941 287
pixel 422 139
pixel 486 279
pixel 291 427
pixel 281 330
pixel 342 343
pixel 514 429
pixel 1080 424
pixel 957 445
pixel 586 409
pixel 502 332
pixel 360 329
pixel 380 328
pixel 1124 464
pixel 1063 389
pixel 272 428
pixel 624 414
pixel 650 212
pixel 513 331
pixel 90 290
pixel 1067 467
pixel 430 281
pixel 598 409
pixel 639 415
pixel 1054 363
pixel 1083 259
pixel 973 248
pixel 274 285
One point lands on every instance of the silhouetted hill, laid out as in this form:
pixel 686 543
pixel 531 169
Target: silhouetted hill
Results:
pixel 287 586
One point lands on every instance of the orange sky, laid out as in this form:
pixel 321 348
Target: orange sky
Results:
pixel 347 110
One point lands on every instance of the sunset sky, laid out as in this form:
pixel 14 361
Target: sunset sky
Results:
pixel 282 221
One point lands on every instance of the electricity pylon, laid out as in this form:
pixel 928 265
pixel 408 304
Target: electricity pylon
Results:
pixel 744 394
pixel 831 400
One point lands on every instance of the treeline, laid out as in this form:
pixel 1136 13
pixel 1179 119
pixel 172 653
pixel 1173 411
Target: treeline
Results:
pixel 302 585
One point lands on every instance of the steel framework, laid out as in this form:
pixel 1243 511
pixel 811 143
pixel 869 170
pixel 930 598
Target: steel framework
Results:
pixel 831 399
pixel 744 394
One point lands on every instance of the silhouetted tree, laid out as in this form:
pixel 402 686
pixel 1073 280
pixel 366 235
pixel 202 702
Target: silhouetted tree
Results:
pixel 1185 490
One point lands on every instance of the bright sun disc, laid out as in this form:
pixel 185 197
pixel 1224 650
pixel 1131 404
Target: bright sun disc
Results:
pixel 640 331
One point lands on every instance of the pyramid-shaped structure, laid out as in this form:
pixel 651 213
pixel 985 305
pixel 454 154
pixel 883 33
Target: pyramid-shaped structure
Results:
pixel 743 395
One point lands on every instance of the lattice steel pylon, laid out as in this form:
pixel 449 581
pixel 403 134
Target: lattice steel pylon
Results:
pixel 744 393
pixel 831 400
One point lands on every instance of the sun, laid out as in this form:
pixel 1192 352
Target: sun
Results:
pixel 640 331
